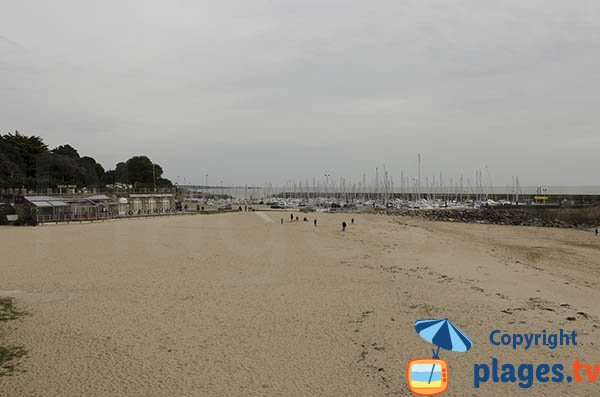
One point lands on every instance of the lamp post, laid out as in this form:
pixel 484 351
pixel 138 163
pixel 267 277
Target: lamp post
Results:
pixel 154 176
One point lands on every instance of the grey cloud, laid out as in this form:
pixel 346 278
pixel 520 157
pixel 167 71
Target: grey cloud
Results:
pixel 267 91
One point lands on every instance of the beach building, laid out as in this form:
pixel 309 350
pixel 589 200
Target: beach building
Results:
pixel 52 209
pixel 151 203
pixel 76 208
pixel 194 204
pixel 123 206
pixel 47 208
pixel 106 205
pixel 92 207
pixel 82 208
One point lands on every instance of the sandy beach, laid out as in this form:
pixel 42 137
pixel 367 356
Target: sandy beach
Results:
pixel 239 304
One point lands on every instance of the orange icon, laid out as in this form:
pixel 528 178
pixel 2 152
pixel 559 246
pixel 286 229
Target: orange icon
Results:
pixel 427 376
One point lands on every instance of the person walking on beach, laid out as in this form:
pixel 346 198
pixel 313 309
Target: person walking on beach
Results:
pixel 596 231
pixel 315 223
pixel 344 226
pixel 291 217
pixel 282 221
pixel 352 221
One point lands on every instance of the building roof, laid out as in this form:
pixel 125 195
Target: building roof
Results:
pixel 45 201
pixel 45 204
pixel 80 201
pixel 48 201
pixel 151 195
pixel 99 197
pixel 40 198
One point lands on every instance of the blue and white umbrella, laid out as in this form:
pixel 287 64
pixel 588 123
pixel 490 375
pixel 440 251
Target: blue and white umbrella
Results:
pixel 444 334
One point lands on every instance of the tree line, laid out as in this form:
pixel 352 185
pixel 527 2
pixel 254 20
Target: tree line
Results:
pixel 27 162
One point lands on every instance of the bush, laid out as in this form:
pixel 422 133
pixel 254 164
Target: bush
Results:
pixel 32 221
pixel 26 220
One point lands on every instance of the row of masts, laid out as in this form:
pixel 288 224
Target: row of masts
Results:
pixel 381 187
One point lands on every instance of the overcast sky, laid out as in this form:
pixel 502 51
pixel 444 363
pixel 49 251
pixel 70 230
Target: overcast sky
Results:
pixel 252 91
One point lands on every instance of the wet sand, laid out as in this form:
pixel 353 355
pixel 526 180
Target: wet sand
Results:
pixel 238 304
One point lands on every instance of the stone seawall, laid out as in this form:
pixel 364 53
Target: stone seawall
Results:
pixel 585 217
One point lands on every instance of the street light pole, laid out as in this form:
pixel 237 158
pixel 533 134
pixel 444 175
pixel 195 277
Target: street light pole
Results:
pixel 154 176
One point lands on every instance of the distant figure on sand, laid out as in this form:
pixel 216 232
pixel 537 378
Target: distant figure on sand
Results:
pixel 296 219
pixel 352 221
pixel 315 223
pixel 282 221
pixel 291 217
pixel 596 231
pixel 344 226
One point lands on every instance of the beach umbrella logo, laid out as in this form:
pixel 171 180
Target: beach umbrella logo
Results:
pixel 429 376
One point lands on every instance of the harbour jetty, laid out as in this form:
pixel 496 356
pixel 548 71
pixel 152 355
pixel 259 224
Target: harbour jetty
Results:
pixel 582 217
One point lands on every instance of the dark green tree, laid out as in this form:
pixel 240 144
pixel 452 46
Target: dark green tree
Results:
pixel 141 171
pixel 66 150
pixel 12 166
pixel 22 157
pixel 93 173
pixel 121 174
pixel 26 161
pixel 55 169
pixel 109 177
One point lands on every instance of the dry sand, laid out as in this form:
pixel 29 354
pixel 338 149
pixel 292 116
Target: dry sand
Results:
pixel 236 304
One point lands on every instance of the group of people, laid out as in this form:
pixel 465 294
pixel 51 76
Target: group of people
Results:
pixel 296 219
pixel 344 224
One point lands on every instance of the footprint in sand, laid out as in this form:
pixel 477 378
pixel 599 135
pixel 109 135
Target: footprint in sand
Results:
pixel 444 278
pixel 391 269
pixel 584 315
